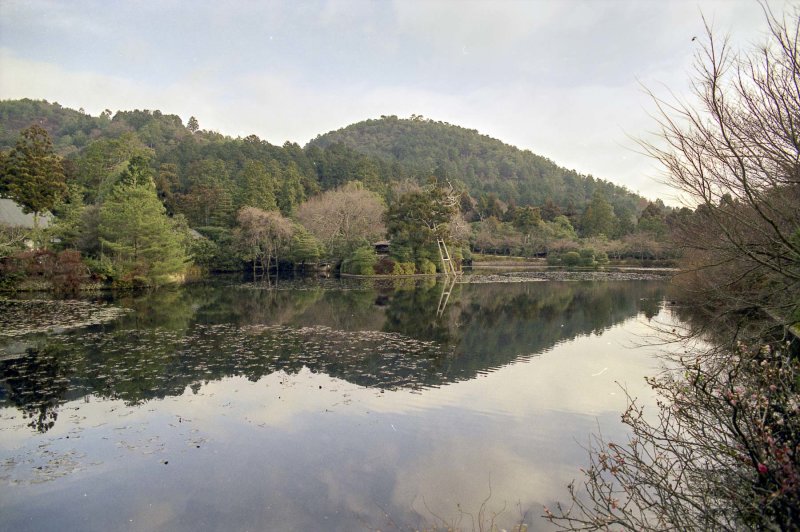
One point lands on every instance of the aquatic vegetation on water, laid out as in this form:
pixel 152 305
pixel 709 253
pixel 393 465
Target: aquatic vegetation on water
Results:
pixel 563 275
pixel 21 317
pixel 379 338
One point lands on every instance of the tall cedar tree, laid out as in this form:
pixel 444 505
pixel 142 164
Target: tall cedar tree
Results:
pixel 33 175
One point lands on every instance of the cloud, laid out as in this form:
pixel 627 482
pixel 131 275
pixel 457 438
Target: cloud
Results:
pixel 22 78
pixel 562 79
pixel 477 26
pixel 584 127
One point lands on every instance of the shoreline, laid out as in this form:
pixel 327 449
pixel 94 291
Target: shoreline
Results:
pixel 480 269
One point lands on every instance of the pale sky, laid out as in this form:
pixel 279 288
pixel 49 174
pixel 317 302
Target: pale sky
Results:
pixel 562 79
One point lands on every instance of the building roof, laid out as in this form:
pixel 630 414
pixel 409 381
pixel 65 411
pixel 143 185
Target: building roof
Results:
pixel 11 215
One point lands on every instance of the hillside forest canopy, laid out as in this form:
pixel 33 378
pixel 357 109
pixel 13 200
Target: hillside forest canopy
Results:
pixel 196 193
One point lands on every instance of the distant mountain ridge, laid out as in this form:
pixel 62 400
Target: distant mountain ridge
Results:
pixel 378 152
pixel 483 164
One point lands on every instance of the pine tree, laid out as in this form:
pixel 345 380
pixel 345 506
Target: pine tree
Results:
pixel 257 187
pixel 134 227
pixel 138 172
pixel 103 160
pixel 598 218
pixel 32 173
pixel 67 223
pixel 305 248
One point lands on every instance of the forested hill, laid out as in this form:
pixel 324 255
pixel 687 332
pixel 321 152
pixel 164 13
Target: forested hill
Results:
pixel 510 201
pixel 481 163
pixel 376 152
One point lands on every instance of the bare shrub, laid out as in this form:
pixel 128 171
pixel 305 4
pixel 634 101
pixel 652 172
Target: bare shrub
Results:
pixel 724 453
pixel 344 218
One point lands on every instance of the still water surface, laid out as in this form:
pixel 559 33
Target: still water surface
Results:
pixel 320 405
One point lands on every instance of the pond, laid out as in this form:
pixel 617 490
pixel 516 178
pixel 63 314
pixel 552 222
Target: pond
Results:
pixel 315 404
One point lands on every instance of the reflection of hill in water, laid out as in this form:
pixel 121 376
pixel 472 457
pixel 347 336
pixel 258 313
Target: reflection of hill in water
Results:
pixel 383 336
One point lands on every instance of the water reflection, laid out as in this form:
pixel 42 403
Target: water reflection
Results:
pixel 36 384
pixel 315 406
pixel 381 335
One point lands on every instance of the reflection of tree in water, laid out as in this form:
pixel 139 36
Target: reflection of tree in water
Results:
pixel 496 327
pixel 385 336
pixel 168 308
pixel 414 313
pixel 650 307
pixel 352 310
pixel 37 384
pixel 255 306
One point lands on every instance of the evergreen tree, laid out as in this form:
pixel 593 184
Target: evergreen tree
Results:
pixel 67 226
pixel 257 187
pixel 526 219
pixel 291 192
pixel 138 172
pixel 103 160
pixel 417 219
pixel 134 227
pixel 562 228
pixel 3 182
pixel 209 200
pixel 305 248
pixel 598 218
pixel 32 173
pixel 653 220
pixel 489 205
pixel 166 184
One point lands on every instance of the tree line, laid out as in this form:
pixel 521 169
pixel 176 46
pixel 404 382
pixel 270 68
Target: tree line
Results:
pixel 140 198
